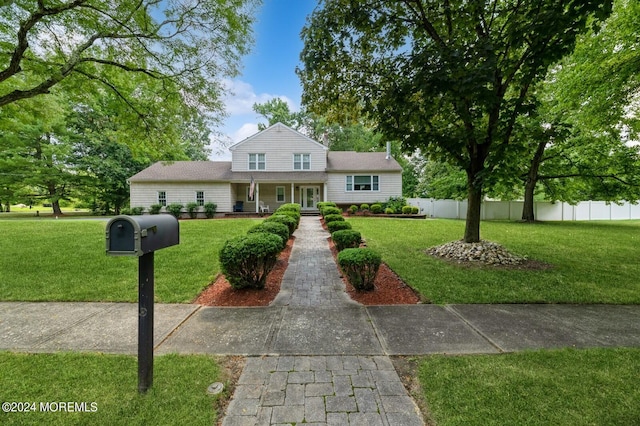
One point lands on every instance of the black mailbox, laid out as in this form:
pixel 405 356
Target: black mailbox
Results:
pixel 139 235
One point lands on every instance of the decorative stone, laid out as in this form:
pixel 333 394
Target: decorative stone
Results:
pixel 483 252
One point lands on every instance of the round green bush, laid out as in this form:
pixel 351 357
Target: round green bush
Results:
pixel 210 209
pixel 292 207
pixel 333 218
pixel 155 208
pixel 323 204
pixel 353 209
pixel 192 209
pixel 364 206
pixel 175 209
pixel 137 211
pixel 337 226
pixel 284 219
pixel 415 210
pixel 360 265
pixel 275 228
pixel 330 210
pixel 389 210
pixel 406 209
pixel 376 208
pixel 247 260
pixel 346 238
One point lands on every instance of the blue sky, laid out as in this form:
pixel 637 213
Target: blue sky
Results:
pixel 269 70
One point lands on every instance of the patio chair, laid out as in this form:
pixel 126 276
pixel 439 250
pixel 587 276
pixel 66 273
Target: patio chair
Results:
pixel 239 206
pixel 263 208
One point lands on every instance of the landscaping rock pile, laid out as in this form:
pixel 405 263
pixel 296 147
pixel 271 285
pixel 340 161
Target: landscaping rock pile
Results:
pixel 483 252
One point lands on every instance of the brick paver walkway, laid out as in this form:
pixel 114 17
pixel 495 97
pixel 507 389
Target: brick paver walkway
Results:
pixel 318 390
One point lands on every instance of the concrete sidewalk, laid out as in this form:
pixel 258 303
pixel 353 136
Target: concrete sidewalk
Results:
pixel 316 356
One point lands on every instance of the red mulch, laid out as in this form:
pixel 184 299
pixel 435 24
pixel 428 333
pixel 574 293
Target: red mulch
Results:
pixel 389 289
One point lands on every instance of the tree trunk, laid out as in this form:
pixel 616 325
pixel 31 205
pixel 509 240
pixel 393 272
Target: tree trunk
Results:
pixel 55 199
pixel 474 203
pixel 528 214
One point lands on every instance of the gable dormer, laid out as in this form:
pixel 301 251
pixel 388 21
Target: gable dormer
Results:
pixel 278 149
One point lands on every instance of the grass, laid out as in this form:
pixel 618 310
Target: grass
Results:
pixel 592 262
pixel 178 395
pixel 65 260
pixel 560 387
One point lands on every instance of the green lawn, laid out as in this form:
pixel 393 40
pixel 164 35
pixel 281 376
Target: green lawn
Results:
pixel 562 387
pixel 178 395
pixel 65 260
pixel 592 262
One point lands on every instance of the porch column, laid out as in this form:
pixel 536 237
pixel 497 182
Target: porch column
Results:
pixel 257 197
pixel 325 194
pixel 293 192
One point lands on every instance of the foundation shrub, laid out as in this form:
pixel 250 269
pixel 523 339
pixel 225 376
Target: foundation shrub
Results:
pixel 137 211
pixel 192 209
pixel 389 210
pixel 284 219
pixel 333 218
pixel 247 260
pixel 364 206
pixel 360 265
pixel 337 226
pixel 406 209
pixel 415 209
pixel 175 209
pixel 275 228
pixel 210 209
pixel 155 208
pixel 376 208
pixel 346 238
pixel 353 209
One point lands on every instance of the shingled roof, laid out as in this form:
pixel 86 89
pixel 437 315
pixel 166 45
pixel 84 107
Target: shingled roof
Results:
pixel 351 161
pixel 185 171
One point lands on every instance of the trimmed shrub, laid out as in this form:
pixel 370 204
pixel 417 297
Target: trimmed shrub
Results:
pixel 323 204
pixel 333 218
pixel 330 210
pixel 395 203
pixel 175 209
pixel 275 228
pixel 389 210
pixel 376 208
pixel 124 210
pixel 192 209
pixel 292 214
pixel 295 207
pixel 364 206
pixel 337 226
pixel 353 209
pixel 290 222
pixel 247 260
pixel 210 209
pixel 415 210
pixel 137 211
pixel 155 208
pixel 360 265
pixel 346 238
pixel 406 209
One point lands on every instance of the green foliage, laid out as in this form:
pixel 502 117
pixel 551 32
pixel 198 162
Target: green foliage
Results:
pixel 415 209
pixel 406 209
pixel 346 238
pixel 175 209
pixel 295 207
pixel 192 209
pixel 137 211
pixel 155 208
pixel 353 209
pixel 323 204
pixel 247 260
pixel 360 265
pixel 210 209
pixel 364 206
pixel 376 208
pixel 337 226
pixel 275 228
pixel 389 210
pixel 277 111
pixel 333 218
pixel 330 210
pixel 285 219
pixel 395 203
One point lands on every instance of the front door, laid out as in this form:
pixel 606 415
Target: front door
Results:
pixel 309 196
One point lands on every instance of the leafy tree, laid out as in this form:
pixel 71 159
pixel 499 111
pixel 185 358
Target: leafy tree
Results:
pixel 449 78
pixel 277 111
pixel 190 45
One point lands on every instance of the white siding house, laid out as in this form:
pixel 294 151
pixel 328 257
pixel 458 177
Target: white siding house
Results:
pixel 276 166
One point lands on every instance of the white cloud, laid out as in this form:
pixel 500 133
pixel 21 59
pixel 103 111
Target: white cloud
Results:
pixel 247 129
pixel 241 96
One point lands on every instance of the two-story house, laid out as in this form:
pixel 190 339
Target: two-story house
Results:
pixel 276 166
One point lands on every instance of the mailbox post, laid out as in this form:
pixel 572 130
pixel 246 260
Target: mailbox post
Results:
pixel 141 236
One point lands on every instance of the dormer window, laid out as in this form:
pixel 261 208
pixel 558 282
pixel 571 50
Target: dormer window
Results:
pixel 257 162
pixel 301 161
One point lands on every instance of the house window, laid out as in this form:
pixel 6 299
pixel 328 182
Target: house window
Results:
pixel 301 161
pixel 362 183
pixel 257 162
pixel 200 198
pixel 162 198
pixel 280 194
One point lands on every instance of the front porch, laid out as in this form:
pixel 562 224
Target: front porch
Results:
pixel 249 198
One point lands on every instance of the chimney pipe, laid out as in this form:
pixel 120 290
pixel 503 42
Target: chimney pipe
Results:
pixel 388 151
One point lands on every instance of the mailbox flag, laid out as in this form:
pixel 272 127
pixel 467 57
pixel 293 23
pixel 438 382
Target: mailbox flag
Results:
pixel 252 187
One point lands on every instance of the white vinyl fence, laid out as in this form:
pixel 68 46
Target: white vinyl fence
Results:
pixel 512 210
